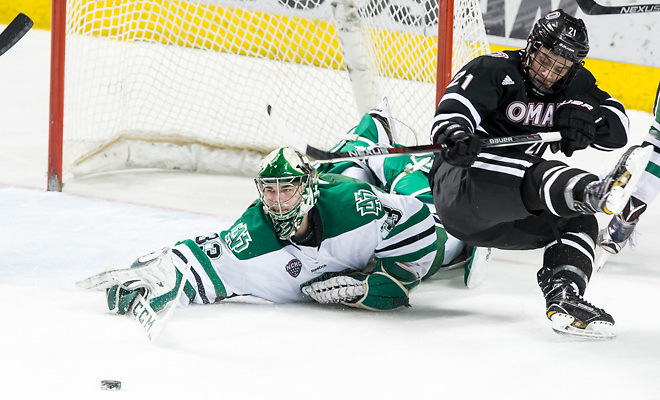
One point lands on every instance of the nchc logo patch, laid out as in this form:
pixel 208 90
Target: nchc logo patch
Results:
pixel 294 267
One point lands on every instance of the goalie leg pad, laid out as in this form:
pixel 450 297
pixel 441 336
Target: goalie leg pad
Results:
pixel 477 267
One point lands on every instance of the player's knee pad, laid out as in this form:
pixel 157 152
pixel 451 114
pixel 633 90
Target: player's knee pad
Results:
pixel 573 255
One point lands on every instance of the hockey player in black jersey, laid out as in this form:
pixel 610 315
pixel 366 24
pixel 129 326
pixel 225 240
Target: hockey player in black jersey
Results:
pixel 511 198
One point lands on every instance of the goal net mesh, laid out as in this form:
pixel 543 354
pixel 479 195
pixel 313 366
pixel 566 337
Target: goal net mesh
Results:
pixel 185 84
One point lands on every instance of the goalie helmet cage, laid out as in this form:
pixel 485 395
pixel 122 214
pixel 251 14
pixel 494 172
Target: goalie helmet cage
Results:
pixel 183 84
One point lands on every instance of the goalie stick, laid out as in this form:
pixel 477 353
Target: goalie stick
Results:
pixel 152 324
pixel 326 156
pixel 590 7
pixel 16 29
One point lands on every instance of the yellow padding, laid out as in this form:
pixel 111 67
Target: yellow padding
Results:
pixel 633 85
pixel 250 33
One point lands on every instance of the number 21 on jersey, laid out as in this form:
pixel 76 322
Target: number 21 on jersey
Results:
pixel 457 79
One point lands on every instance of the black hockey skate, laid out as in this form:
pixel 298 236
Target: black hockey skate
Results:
pixel 611 194
pixel 571 314
pixel 618 232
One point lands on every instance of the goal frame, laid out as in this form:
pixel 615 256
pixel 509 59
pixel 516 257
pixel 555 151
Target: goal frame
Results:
pixel 57 78
pixel 56 106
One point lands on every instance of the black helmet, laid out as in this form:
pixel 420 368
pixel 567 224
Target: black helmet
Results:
pixel 565 36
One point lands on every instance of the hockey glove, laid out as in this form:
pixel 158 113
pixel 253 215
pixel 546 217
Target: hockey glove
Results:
pixel 464 147
pixel 120 300
pixel 576 120
pixel 154 275
pixel 337 289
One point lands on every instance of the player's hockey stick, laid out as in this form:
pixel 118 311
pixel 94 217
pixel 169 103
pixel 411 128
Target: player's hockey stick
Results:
pixel 327 156
pixel 14 32
pixel 590 7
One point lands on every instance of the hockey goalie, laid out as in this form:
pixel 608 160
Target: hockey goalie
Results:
pixel 309 237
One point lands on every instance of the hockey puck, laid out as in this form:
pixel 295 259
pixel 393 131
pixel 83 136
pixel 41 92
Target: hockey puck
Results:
pixel 110 385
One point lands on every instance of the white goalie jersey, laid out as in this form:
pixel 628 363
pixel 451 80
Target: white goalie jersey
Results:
pixel 359 224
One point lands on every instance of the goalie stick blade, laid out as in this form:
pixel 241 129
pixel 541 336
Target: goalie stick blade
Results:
pixel 147 318
pixel 16 29
pixel 590 7
pixel 361 153
pixel 153 323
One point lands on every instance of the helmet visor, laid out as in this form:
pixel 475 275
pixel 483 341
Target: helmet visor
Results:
pixel 548 68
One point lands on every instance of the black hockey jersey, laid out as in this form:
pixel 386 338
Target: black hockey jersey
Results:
pixel 489 96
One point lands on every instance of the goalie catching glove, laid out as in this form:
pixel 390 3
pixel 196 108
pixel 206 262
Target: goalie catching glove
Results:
pixel 386 288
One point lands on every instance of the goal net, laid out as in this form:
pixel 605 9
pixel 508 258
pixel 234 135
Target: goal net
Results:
pixel 185 85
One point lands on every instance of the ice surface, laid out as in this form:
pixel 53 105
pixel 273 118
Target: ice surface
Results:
pixel 491 342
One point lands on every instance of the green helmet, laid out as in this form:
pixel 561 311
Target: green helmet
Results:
pixel 288 188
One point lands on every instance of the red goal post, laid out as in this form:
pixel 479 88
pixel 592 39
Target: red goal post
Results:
pixel 182 84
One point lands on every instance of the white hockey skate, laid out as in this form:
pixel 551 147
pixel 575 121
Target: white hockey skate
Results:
pixel 610 194
pixel 618 232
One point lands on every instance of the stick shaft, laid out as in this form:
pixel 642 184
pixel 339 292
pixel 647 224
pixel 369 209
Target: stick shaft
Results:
pixel 326 156
pixel 590 7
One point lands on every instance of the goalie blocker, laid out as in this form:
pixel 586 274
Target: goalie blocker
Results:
pixel 148 291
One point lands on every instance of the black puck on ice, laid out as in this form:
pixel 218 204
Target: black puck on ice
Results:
pixel 110 385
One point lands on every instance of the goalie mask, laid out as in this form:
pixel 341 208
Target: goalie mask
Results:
pixel 288 188
pixel 554 54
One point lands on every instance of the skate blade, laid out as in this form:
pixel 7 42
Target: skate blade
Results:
pixel 563 324
pixel 602 255
pixel 622 189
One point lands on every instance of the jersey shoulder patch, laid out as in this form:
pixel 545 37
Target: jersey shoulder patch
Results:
pixel 252 234
pixel 345 206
